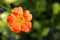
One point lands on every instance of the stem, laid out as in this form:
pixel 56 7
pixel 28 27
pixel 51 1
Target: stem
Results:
pixel 8 7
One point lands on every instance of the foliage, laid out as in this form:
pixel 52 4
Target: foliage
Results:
pixel 46 16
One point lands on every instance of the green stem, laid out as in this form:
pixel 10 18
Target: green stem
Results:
pixel 8 7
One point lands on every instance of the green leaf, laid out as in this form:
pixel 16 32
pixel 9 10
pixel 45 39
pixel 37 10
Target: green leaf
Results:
pixel 45 31
pixel 36 25
pixel 40 5
pixel 18 2
pixel 58 27
pixel 1 2
pixel 2 23
pixel 59 6
pixel 35 35
pixel 9 1
pixel 55 8
pixel 4 15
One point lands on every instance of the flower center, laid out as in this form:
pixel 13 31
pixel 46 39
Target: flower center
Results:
pixel 20 19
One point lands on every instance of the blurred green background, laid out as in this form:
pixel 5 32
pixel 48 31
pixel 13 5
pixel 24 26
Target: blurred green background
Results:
pixel 45 22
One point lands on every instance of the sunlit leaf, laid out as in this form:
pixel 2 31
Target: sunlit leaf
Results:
pixel 2 23
pixel 59 6
pixel 4 14
pixel 55 8
pixel 9 1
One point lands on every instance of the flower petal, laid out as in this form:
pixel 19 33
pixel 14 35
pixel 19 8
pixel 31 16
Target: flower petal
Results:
pixel 10 18
pixel 26 26
pixel 27 15
pixel 18 10
pixel 15 27
pixel 15 14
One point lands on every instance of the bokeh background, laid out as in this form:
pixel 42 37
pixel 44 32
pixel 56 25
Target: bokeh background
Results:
pixel 45 22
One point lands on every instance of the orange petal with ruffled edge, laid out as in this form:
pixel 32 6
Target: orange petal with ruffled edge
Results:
pixel 18 10
pixel 10 18
pixel 15 14
pixel 15 27
pixel 27 15
pixel 26 26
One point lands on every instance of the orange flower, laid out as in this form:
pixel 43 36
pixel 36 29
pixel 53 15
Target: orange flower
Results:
pixel 19 20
